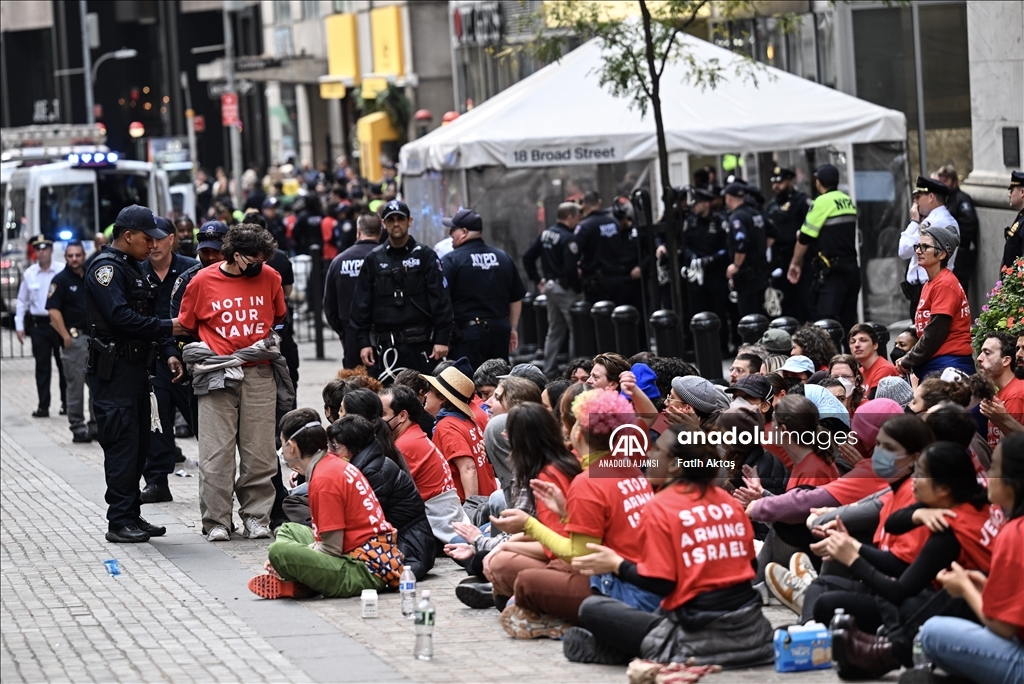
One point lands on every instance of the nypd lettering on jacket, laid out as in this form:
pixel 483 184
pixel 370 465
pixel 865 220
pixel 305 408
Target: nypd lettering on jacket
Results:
pixel 351 267
pixel 484 260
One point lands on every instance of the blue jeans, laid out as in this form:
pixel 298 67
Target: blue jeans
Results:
pixel 941 363
pixel 966 649
pixel 611 586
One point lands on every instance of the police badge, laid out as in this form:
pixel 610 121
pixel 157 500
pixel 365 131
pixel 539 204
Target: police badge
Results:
pixel 104 274
pixel 53 288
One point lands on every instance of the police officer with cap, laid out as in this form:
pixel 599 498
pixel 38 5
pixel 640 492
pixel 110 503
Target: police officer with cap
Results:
pixel 275 224
pixel 340 285
pixel 608 259
pixel 961 208
pixel 401 311
pixel 928 209
pixel 705 248
pixel 211 239
pixel 1014 245
pixel 829 234
pixel 486 292
pixel 747 246
pixel 787 210
pixel 121 303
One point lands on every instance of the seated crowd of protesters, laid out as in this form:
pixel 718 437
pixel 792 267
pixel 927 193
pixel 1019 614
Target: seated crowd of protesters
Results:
pixel 892 496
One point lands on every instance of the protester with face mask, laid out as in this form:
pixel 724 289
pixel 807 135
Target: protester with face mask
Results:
pixel 844 368
pixel 240 378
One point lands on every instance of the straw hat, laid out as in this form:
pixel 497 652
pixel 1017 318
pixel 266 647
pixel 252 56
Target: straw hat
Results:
pixel 455 386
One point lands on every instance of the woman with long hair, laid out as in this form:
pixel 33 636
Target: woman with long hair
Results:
pixel 845 369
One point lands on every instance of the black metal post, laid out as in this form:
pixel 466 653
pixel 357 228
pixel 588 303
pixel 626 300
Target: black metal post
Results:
pixel 583 329
pixel 705 327
pixel 751 327
pixel 625 319
pixel 540 315
pixel 787 323
pixel 834 329
pixel 604 330
pixel 527 328
pixel 668 338
pixel 883 338
pixel 315 293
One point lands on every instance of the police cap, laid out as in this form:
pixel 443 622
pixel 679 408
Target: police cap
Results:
pixel 270 203
pixel 141 219
pixel 1016 179
pixel 925 186
pixel 701 195
pixel 395 207
pixel 828 175
pixel 164 225
pixel 780 174
pixel 41 241
pixel 465 218
pixel 211 235
pixel 735 189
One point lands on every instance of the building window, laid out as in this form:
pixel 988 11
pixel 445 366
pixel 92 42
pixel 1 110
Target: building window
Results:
pixel 343 6
pixel 310 9
pixel 282 11
pixel 283 41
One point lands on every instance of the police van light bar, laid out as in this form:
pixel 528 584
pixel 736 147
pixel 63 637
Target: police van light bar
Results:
pixel 65 235
pixel 93 158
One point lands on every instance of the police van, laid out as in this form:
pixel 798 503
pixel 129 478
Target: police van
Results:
pixel 67 186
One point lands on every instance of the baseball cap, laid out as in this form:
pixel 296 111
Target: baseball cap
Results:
pixel 211 235
pixel 701 195
pixel 528 371
pixel 164 225
pixel 141 219
pixel 828 175
pixel 777 341
pixel 395 207
pixel 756 386
pixel 735 189
pixel 465 218
pixel 780 173
pixel 270 203
pixel 798 364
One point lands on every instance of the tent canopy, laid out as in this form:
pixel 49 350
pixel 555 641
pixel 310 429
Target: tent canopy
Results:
pixel 560 115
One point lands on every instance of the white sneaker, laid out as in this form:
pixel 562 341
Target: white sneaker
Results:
pixel 254 529
pixel 786 586
pixel 801 566
pixel 218 534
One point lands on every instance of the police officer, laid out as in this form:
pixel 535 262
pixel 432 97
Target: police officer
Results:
pixel 121 302
pixel 558 280
pixel 1014 245
pixel 31 316
pixel 705 258
pixel 275 224
pixel 961 207
pixel 486 292
pixel 340 285
pixel 748 271
pixel 608 253
pixel 787 210
pixel 66 304
pixel 164 267
pixel 829 233
pixel 401 312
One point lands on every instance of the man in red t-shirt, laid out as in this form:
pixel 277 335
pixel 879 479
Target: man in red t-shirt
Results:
pixel 864 346
pixel 427 464
pixel 1005 412
pixel 231 306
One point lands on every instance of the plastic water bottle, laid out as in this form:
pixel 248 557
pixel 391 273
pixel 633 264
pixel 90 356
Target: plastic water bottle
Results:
pixel 424 628
pixel 407 588
pixel 921 661
pixel 836 616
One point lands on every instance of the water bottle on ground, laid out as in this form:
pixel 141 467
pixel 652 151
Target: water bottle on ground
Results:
pixel 921 660
pixel 424 628
pixel 407 589
pixel 836 616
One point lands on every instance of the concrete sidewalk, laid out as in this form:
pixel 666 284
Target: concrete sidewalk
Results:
pixel 181 611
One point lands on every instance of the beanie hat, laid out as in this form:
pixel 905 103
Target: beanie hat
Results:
pixel 946 237
pixel 698 392
pixel 896 389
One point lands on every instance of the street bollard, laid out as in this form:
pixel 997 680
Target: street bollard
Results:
pixel 705 327
pixel 540 316
pixel 604 330
pixel 787 323
pixel 527 329
pixel 583 330
pixel 834 329
pixel 751 327
pixel 625 318
pixel 315 295
pixel 668 337
pixel 883 338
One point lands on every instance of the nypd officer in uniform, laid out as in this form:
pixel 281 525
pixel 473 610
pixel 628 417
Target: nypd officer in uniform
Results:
pixel 486 292
pixel 121 301
pixel 705 248
pixel 558 279
pixel 961 207
pixel 340 285
pixel 1014 245
pixel 829 233
pixel 787 210
pixel 747 246
pixel 401 312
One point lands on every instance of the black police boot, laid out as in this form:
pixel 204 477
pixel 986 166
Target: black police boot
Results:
pixel 93 434
pixel 129 534
pixel 179 457
pixel 149 528
pixel 81 437
pixel 156 492
pixel 41 413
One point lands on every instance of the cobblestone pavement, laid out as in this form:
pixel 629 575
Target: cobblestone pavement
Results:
pixel 181 611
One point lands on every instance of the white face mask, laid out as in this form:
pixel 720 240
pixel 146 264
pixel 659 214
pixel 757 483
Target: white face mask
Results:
pixel 847 385
pixel 739 401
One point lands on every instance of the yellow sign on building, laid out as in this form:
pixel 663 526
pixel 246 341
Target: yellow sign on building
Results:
pixel 388 48
pixel 343 47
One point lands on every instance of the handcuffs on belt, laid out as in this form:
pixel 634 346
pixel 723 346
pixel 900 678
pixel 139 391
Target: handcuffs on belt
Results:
pixel 74 333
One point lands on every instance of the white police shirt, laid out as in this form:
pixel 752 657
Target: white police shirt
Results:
pixel 33 291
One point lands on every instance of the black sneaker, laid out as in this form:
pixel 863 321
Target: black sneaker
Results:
pixel 156 492
pixel 81 438
pixel 149 528
pixel 179 457
pixel 129 534
pixel 476 595
pixel 580 646
pixel 41 413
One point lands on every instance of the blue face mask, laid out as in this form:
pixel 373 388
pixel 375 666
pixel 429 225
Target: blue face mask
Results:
pixel 883 462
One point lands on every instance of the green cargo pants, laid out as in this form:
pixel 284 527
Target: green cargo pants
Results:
pixel 332 576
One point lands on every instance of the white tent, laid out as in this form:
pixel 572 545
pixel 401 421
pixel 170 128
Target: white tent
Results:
pixel 561 115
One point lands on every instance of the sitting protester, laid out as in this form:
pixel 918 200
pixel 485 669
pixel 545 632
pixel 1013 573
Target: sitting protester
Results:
pixel 844 368
pixel 991 651
pixel 351 546
pixel 510 392
pixel 698 556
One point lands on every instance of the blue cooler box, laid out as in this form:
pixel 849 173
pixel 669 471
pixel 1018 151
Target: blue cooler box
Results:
pixel 803 647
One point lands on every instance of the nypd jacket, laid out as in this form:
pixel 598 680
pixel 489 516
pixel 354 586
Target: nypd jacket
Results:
pixel 559 257
pixel 400 288
pixel 340 285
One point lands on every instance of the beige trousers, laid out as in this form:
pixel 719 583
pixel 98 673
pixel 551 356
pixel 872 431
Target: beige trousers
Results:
pixel 242 418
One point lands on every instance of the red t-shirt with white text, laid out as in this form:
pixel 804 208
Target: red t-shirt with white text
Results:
pixel 340 498
pixel 1013 397
pixel 702 543
pixel 607 506
pixel 1001 598
pixel 457 436
pixel 232 312
pixel 881 368
pixel 427 464
pixel 943 295
pixel 812 471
